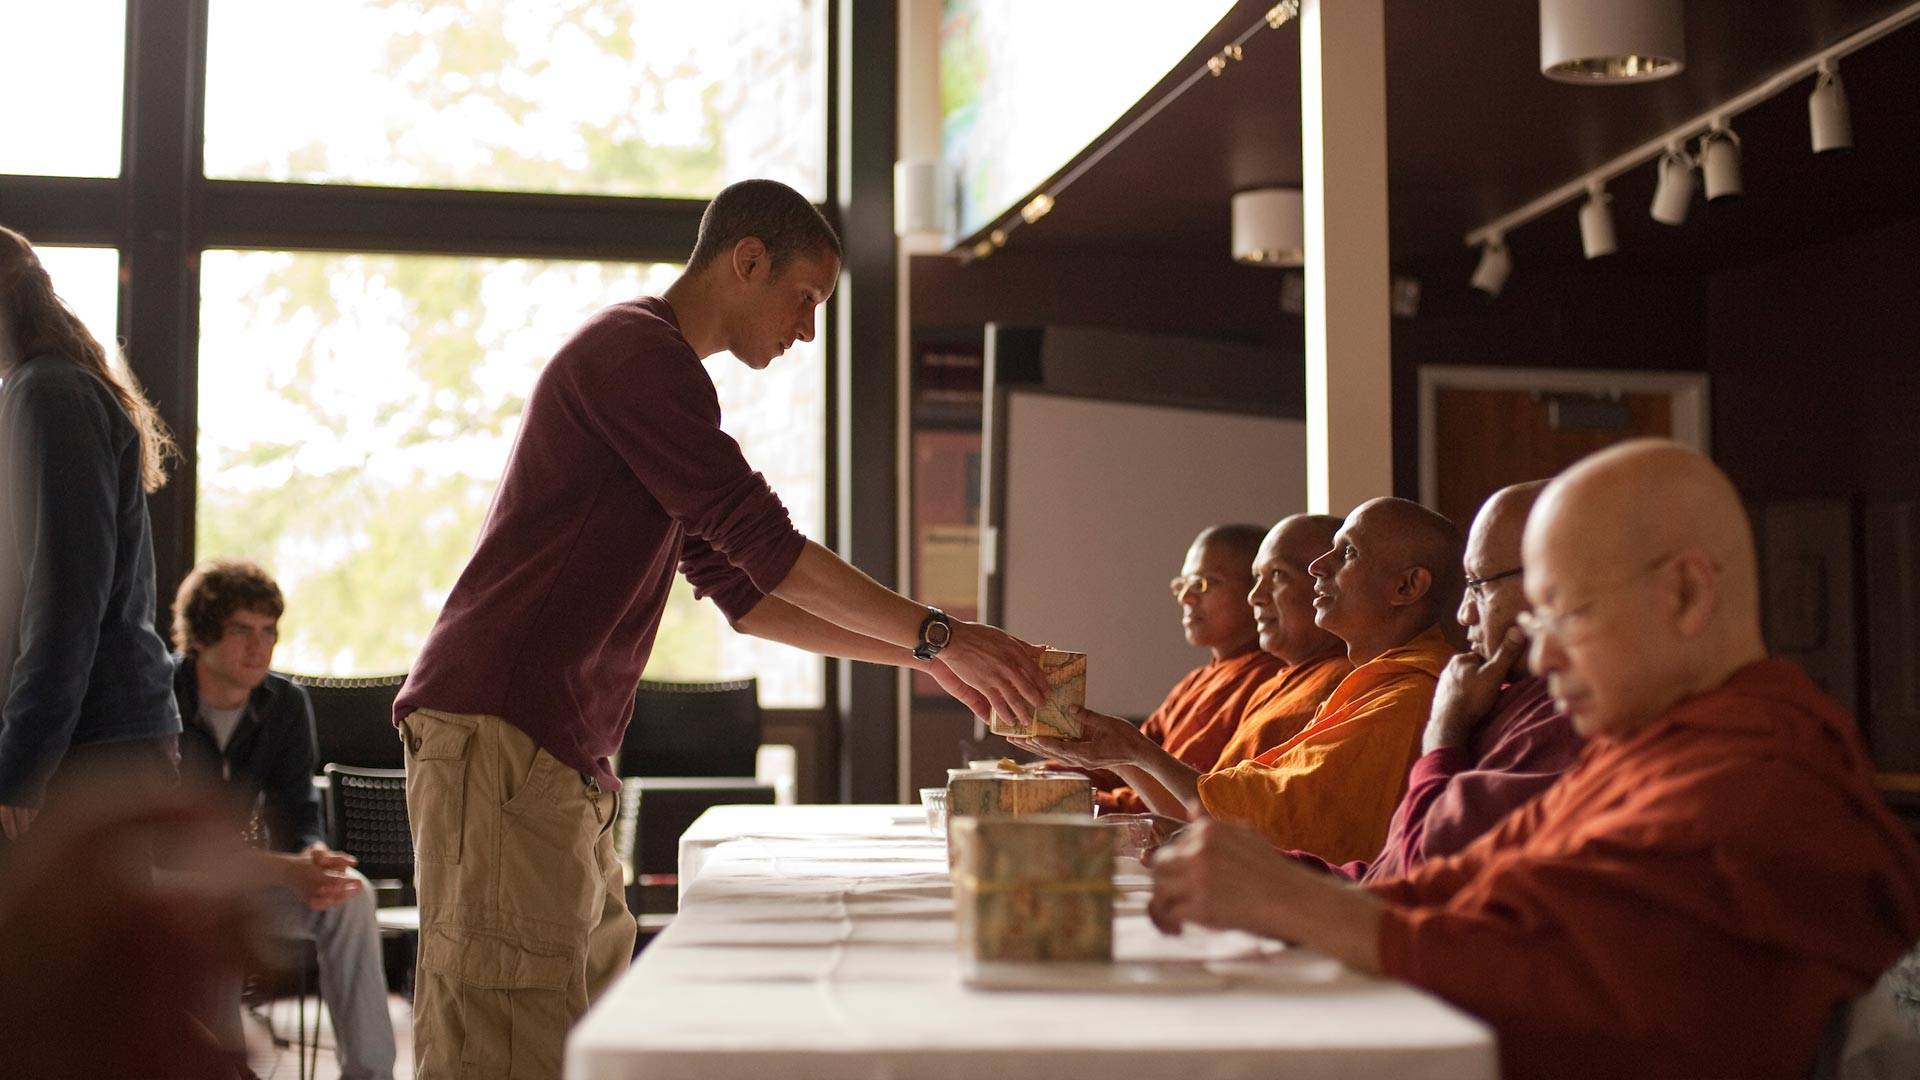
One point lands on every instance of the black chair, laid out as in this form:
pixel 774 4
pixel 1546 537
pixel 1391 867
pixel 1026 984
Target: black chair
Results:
pixel 367 819
pixel 353 719
pixel 692 729
pixel 688 747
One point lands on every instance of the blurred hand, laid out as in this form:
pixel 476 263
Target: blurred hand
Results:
pixel 1105 741
pixel 14 820
pixel 1218 875
pixel 956 688
pixel 1468 688
pixel 1000 667
pixel 318 877
pixel 94 933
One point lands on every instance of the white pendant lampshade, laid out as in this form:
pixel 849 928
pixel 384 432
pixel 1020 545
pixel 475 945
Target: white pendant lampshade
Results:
pixel 1673 187
pixel 1596 224
pixel 922 197
pixel 1611 41
pixel 1827 116
pixel 1269 228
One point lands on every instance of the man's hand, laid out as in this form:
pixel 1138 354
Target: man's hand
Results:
pixel 1227 877
pixel 318 876
pixel 14 820
pixel 1000 667
pixel 956 688
pixel 1104 742
pixel 1468 688
pixel 1218 875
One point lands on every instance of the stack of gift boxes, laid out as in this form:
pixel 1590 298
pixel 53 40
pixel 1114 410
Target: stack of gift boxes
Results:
pixel 1032 871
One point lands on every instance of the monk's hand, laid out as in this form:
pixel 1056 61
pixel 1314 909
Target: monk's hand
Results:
pixel 1219 875
pixel 956 688
pixel 1468 688
pixel 999 667
pixel 1105 741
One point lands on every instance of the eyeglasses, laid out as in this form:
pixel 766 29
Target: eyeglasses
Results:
pixel 1477 586
pixel 1573 625
pixel 1194 582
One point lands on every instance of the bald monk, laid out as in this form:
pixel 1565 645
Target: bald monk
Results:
pixel 1204 709
pixel 1387 589
pixel 1701 891
pixel 1494 739
pixel 1315 661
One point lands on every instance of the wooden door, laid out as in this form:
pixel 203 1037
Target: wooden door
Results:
pixel 1486 439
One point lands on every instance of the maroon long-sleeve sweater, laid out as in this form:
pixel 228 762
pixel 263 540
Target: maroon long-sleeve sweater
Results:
pixel 619 475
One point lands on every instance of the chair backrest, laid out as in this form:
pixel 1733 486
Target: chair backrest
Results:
pixel 367 819
pixel 353 719
pixel 692 729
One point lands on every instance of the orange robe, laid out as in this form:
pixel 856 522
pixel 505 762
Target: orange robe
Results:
pixel 1332 788
pixel 1692 900
pixel 1284 705
pixel 1198 717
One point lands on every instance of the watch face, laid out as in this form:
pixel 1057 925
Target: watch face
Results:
pixel 939 633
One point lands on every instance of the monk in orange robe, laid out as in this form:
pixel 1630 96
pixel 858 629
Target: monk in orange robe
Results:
pixel 1204 708
pixel 1713 879
pixel 1387 588
pixel 1283 613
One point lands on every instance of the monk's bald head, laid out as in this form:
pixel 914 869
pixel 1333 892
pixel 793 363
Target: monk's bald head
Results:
pixel 1282 593
pixel 1640 562
pixel 1487 611
pixel 1217 616
pixel 1393 572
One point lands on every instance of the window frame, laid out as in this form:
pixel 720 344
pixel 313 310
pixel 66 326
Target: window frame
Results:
pixel 162 212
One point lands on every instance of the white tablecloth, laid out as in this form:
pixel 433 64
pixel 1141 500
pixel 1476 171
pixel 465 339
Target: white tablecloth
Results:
pixel 819 942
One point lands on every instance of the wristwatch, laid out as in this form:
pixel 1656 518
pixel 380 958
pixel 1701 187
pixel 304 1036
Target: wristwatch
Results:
pixel 936 631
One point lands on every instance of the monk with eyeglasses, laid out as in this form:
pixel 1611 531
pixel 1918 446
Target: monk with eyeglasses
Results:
pixel 1700 892
pixel 1387 588
pixel 1495 739
pixel 1204 709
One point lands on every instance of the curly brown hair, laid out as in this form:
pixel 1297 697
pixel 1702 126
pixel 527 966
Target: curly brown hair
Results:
pixel 43 323
pixel 212 592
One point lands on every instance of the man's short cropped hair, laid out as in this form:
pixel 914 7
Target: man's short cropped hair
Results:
pixel 212 592
pixel 779 216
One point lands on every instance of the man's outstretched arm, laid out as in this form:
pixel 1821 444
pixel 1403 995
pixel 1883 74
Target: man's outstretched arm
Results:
pixel 1002 668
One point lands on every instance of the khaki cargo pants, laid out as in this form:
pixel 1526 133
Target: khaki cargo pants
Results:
pixel 523 914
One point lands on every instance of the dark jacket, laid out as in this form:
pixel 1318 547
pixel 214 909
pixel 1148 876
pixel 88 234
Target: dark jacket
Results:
pixel 268 762
pixel 80 663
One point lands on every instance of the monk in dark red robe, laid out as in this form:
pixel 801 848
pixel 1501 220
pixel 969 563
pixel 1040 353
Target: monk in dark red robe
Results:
pixel 1701 892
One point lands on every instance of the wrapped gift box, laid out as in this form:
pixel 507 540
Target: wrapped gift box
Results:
pixel 1067 678
pixel 1012 793
pixel 1033 888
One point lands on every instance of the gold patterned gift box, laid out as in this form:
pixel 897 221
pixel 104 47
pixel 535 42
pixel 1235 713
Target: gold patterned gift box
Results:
pixel 1067 679
pixel 1015 792
pixel 1033 888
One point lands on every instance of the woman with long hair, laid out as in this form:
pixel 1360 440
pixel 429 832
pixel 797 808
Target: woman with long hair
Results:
pixel 85 682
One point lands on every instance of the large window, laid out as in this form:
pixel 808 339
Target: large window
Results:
pixel 88 279
pixel 60 86
pixel 602 96
pixel 356 412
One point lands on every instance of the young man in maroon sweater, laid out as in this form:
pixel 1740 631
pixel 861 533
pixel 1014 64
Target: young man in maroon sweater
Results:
pixel 620 475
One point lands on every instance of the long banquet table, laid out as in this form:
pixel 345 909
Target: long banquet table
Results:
pixel 818 941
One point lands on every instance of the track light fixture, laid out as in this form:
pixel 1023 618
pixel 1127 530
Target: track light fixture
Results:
pixel 1596 223
pixel 1673 186
pixel 1496 264
pixel 1828 119
pixel 1720 161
